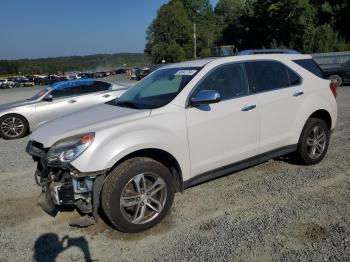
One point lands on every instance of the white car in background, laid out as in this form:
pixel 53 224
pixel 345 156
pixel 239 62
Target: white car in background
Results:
pixel 20 118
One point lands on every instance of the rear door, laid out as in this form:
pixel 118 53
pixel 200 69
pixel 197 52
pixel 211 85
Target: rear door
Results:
pixel 93 93
pixel 226 132
pixel 279 92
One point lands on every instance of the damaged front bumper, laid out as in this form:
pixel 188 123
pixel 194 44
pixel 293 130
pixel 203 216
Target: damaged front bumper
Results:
pixel 64 186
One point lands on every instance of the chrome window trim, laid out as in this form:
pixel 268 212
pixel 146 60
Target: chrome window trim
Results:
pixel 195 88
pixel 188 104
pixel 283 87
pixel 98 92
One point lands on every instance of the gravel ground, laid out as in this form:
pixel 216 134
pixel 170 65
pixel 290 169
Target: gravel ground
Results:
pixel 272 212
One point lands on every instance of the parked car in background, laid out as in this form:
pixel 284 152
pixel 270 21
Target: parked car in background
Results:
pixel 339 74
pixel 185 124
pixel 73 76
pixel 134 73
pixel 49 80
pixel 22 81
pixel 6 83
pixel 155 67
pixel 86 75
pixel 37 79
pixel 143 73
pixel 120 71
pixel 99 74
pixel 19 118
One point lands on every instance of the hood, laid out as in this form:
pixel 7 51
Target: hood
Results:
pixel 88 120
pixel 16 104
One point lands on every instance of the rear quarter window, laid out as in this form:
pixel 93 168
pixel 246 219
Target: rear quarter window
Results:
pixel 311 66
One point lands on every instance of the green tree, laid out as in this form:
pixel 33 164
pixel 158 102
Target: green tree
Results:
pixel 306 25
pixel 201 13
pixel 169 37
pixel 324 39
pixel 229 11
pixel 335 13
pixel 234 17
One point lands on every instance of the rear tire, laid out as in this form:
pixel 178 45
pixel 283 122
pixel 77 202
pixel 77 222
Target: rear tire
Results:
pixel 137 194
pixel 313 142
pixel 336 79
pixel 13 126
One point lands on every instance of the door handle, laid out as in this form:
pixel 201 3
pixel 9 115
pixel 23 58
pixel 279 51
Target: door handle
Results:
pixel 106 96
pixel 248 107
pixel 298 93
pixel 72 101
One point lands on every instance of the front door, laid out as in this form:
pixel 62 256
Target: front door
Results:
pixel 223 133
pixel 63 102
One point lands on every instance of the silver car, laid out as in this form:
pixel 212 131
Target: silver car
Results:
pixel 20 118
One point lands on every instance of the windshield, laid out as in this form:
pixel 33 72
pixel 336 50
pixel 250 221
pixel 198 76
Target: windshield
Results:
pixel 158 89
pixel 40 94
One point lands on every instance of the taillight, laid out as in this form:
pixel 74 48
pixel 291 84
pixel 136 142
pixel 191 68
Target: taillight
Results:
pixel 333 88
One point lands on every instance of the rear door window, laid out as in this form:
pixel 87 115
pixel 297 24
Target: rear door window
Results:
pixel 311 66
pixel 267 76
pixel 96 86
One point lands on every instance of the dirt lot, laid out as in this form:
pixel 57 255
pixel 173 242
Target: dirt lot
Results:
pixel 274 211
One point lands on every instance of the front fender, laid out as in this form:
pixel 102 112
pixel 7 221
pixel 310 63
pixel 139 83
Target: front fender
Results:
pixel 28 112
pixel 109 147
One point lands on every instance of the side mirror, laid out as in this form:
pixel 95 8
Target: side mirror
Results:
pixel 48 98
pixel 205 97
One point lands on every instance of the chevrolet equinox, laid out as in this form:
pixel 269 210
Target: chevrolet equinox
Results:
pixel 182 125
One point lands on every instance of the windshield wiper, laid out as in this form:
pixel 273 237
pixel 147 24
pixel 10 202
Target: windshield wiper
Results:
pixel 127 104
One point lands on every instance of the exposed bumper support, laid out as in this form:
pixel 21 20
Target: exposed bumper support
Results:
pixel 66 186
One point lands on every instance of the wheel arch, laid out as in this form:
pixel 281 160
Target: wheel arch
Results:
pixel 162 156
pixel 323 115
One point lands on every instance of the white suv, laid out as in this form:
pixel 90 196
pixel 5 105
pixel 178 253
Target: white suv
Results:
pixel 182 125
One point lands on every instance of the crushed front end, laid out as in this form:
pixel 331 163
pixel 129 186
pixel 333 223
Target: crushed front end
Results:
pixel 62 185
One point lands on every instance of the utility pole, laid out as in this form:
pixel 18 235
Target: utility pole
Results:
pixel 195 40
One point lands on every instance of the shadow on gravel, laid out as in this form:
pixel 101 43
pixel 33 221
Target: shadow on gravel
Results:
pixel 290 159
pixel 48 246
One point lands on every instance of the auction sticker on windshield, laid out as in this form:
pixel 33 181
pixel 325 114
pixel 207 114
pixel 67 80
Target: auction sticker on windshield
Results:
pixel 185 72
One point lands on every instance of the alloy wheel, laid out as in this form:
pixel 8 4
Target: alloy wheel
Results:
pixel 336 80
pixel 12 127
pixel 143 198
pixel 316 142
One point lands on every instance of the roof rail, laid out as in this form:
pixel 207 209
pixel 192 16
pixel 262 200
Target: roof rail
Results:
pixel 267 51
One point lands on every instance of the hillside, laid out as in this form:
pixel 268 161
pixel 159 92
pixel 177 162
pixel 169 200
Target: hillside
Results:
pixel 72 63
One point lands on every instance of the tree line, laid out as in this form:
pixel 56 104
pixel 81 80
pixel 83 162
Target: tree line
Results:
pixel 309 26
pixel 72 63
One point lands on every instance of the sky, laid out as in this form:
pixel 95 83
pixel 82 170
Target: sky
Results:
pixel 42 28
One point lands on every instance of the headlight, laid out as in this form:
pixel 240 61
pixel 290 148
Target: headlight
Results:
pixel 68 149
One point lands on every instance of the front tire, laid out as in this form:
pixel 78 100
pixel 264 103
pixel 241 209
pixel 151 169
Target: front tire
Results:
pixel 313 142
pixel 13 126
pixel 137 194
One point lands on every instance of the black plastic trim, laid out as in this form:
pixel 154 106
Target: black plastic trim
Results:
pixel 229 169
